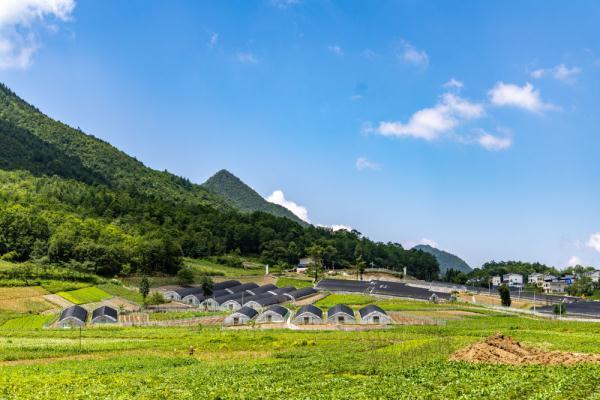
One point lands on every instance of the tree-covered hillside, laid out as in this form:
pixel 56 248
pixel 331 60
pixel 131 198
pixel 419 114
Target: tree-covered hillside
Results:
pixel 445 260
pixel 243 197
pixel 72 200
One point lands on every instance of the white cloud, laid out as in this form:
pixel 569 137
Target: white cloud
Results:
pixel 526 97
pixel 356 97
pixel 277 197
pixel 411 55
pixel 573 261
pixel 493 143
pixel 18 35
pixel 453 84
pixel 214 38
pixel 247 58
pixel 430 123
pixel 363 163
pixel 335 49
pixel 594 241
pixel 560 72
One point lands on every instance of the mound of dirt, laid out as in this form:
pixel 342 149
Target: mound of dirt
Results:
pixel 500 349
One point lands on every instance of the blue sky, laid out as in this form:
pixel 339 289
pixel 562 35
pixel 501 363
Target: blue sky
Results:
pixel 472 125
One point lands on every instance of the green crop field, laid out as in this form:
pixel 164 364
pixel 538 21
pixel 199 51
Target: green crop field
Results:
pixel 206 267
pixel 403 362
pixel 297 283
pixel 29 322
pixel 172 315
pixel 85 295
pixel 119 290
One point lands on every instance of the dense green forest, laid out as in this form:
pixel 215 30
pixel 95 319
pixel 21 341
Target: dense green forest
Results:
pixel 69 199
pixel 243 197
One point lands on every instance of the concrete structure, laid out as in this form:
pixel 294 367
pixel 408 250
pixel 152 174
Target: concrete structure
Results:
pixel 373 314
pixel 340 314
pixel 274 314
pixel 73 317
pixel 105 315
pixel 594 275
pixel 241 317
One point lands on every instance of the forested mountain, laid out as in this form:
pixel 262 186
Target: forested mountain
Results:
pixel 243 197
pixel 69 199
pixel 445 260
pixel 41 145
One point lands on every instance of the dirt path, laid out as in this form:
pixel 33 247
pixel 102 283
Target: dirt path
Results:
pixel 57 300
pixel 311 299
pixel 500 349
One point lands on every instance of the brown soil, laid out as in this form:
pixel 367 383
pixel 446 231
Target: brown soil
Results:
pixel 500 349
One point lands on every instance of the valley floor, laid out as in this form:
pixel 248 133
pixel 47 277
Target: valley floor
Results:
pixel 403 362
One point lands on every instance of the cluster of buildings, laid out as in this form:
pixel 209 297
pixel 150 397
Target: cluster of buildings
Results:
pixel 233 295
pixel 310 315
pixel 549 283
pixel 77 316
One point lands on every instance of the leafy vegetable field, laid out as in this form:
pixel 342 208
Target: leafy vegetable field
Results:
pixel 86 295
pixel 405 362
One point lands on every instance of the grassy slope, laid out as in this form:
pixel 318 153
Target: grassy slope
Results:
pixel 399 363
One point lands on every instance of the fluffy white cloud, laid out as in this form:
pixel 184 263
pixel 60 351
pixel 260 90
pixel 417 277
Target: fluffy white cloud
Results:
pixel 493 143
pixel 594 241
pixel 335 49
pixel 411 55
pixel 526 97
pixel 430 123
pixel 363 163
pixel 453 84
pixel 560 72
pixel 573 261
pixel 277 197
pixel 18 19
pixel 247 58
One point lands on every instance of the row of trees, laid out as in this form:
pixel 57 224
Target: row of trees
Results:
pixel 108 232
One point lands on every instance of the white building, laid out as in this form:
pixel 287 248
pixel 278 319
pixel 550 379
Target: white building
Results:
pixel 535 279
pixel 513 280
pixel 556 286
pixel 594 275
pixel 496 280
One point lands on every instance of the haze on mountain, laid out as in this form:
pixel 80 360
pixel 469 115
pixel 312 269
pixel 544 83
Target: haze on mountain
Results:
pixel 445 260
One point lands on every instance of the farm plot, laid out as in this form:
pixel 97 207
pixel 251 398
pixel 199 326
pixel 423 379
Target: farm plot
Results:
pixel 404 362
pixel 30 322
pixel 85 295
pixel 23 300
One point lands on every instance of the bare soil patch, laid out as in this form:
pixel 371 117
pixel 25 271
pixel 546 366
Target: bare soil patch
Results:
pixel 501 349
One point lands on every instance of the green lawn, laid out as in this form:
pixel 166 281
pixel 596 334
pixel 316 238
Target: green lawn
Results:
pixel 404 362
pixel 298 283
pixel 85 295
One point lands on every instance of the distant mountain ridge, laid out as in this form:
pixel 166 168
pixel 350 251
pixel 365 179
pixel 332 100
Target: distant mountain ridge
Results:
pixel 243 197
pixel 445 260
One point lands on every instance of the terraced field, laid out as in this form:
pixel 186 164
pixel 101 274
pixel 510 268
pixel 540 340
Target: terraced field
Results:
pixel 23 300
